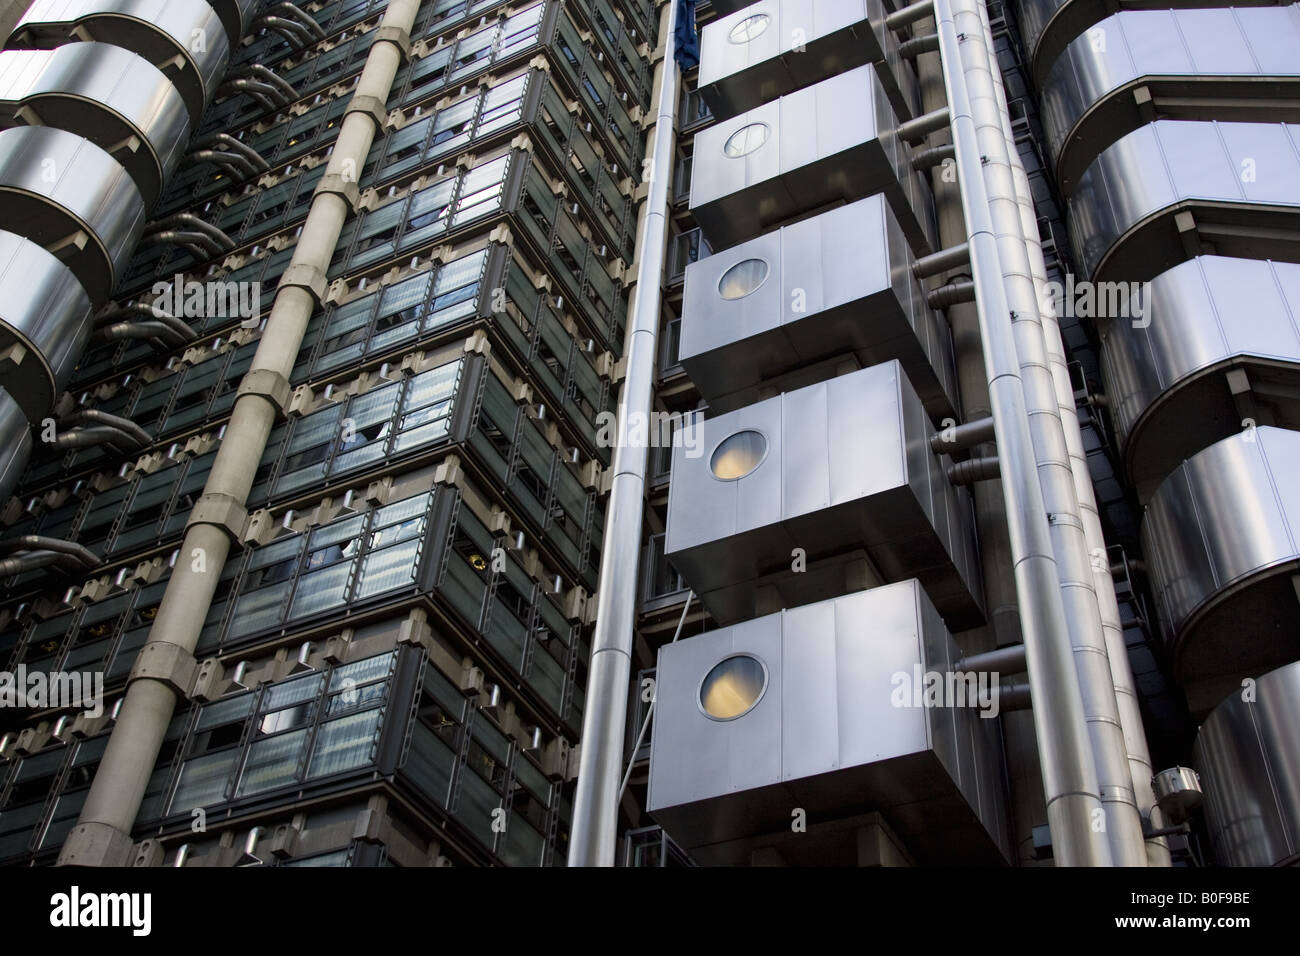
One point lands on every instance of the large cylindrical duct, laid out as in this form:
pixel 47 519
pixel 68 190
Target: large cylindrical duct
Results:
pixel 1248 756
pixel 97 101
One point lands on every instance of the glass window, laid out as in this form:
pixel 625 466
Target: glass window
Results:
pixel 738 455
pixel 746 139
pixel 733 687
pixel 749 28
pixel 742 279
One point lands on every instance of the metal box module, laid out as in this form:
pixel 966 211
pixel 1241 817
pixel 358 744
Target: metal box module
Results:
pixel 813 709
pixel 836 283
pixel 774 47
pixel 832 469
pixel 830 143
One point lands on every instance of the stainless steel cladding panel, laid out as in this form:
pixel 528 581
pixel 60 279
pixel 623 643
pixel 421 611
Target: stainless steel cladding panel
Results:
pixel 774 47
pixel 834 469
pixel 1248 756
pixel 1167 371
pixel 106 94
pixel 1239 61
pixel 15 444
pixel 158 30
pixel 1245 176
pixel 45 313
pixel 836 725
pixel 54 185
pixel 237 16
pixel 836 283
pixel 1222 541
pixel 830 143
pixel 1048 26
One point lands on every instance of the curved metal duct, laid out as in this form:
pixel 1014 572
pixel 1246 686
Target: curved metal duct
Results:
pixel 1154 198
pixel 106 94
pixel 1222 540
pixel 1173 376
pixel 44 324
pixel 1169 64
pixel 1048 26
pixel 65 193
pixel 1248 756
pixel 15 443
pixel 236 15
pixel 158 30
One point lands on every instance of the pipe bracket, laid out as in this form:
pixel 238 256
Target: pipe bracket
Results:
pixel 221 511
pixel 345 187
pixel 371 106
pixel 307 277
pixel 268 384
pixel 167 663
pixel 397 37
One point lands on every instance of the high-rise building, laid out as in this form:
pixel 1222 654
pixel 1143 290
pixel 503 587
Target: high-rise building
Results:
pixel 468 432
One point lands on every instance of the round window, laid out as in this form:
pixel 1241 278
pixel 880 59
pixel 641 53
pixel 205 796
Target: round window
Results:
pixel 742 279
pixel 749 28
pixel 746 139
pixel 733 687
pixel 738 455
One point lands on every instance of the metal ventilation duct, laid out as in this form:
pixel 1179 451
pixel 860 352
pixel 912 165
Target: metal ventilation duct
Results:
pixel 830 143
pixel 63 192
pixel 1171 64
pixel 835 730
pixel 44 324
pixel 236 15
pixel 1048 26
pixel 15 444
pixel 841 470
pixel 1174 376
pixel 117 100
pixel 1222 540
pixel 1150 201
pixel 1248 756
pixel 186 39
pixel 775 47
pixel 836 283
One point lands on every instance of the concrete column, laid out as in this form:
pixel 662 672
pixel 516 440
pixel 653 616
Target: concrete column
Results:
pixel 102 834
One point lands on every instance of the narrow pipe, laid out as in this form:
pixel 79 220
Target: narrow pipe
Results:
pixel 910 14
pixel 39 542
pixel 97 417
pixel 915 130
pixel 593 839
pixel 941 261
pixel 951 294
pixel 911 49
pixel 1069 773
pixel 230 163
pixel 931 157
pixel 1004 660
pixel 974 469
pixel 964 436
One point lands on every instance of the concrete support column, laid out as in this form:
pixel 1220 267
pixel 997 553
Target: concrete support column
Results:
pixel 102 835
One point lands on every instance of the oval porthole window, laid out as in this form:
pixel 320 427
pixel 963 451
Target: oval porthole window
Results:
pixel 749 28
pixel 746 139
pixel 742 279
pixel 733 687
pixel 738 455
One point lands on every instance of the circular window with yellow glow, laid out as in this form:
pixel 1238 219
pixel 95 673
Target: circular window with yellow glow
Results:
pixel 746 139
pixel 742 279
pixel 733 687
pixel 737 455
pixel 749 28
